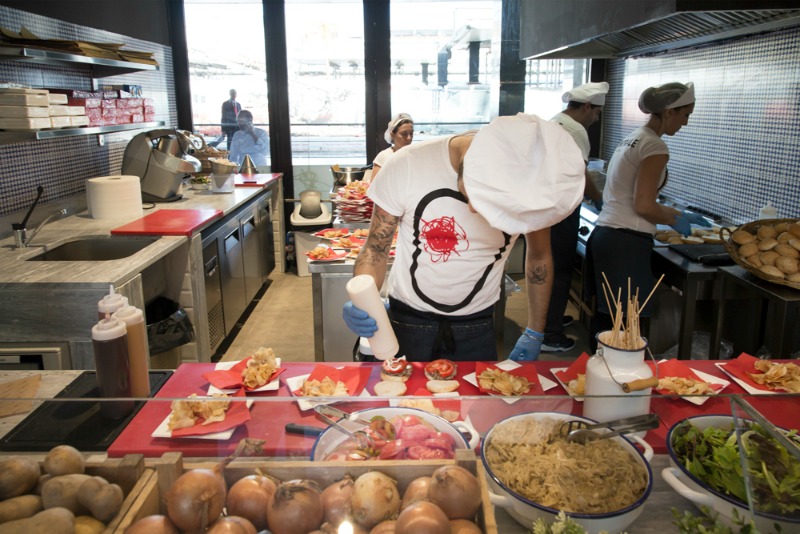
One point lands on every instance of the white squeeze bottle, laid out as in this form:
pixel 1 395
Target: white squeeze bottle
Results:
pixel 138 351
pixel 110 303
pixel 364 294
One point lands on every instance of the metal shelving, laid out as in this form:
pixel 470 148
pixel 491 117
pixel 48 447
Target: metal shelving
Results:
pixel 100 67
pixel 16 137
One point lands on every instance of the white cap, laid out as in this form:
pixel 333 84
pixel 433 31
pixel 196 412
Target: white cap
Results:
pixel 523 173
pixel 593 93
pixel 387 136
pixel 685 99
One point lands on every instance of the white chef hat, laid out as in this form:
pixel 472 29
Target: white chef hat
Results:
pixel 396 120
pixel 667 96
pixel 593 93
pixel 523 173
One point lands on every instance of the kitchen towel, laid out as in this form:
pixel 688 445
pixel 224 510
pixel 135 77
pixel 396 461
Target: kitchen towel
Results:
pixel 114 197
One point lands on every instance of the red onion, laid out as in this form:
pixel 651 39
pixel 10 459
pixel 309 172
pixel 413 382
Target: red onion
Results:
pixel 248 497
pixel 422 517
pixel 375 499
pixel 417 490
pixel 336 505
pixel 456 491
pixel 295 508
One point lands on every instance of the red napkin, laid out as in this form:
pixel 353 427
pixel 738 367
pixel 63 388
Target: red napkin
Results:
pixel 232 378
pixel 678 369
pixel 578 367
pixel 525 370
pixel 741 366
pixel 354 378
pixel 237 414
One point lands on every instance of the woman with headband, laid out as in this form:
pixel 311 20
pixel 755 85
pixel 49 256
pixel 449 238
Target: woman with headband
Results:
pixel 399 133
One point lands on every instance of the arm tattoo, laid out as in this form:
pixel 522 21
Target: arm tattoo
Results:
pixel 381 233
pixel 537 274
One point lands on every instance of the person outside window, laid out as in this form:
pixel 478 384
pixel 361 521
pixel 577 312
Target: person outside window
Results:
pixel 230 110
pixel 249 141
pixel 399 133
pixel 584 104
pixel 459 203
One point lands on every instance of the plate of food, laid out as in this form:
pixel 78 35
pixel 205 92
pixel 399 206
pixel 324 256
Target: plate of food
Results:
pixel 214 417
pixel 200 182
pixel 323 253
pixel 256 373
pixel 508 379
pixel 333 233
pixel 362 233
pixel 573 378
pixel 677 378
pixel 762 377
pixel 349 242
pixel 327 381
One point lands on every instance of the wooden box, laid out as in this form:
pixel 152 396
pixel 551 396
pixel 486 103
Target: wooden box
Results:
pixel 171 465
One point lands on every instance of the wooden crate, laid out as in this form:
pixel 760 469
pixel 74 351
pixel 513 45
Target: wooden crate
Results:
pixel 171 465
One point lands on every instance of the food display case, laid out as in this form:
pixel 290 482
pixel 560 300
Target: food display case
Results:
pixel 294 442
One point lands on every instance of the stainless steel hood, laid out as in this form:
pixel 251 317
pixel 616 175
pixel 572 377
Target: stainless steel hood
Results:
pixel 572 29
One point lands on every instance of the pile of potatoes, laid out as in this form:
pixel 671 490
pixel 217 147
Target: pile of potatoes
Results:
pixel 773 249
pixel 62 500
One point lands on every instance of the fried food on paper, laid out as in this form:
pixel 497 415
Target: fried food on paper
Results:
pixel 320 253
pixel 503 382
pixel 784 376
pixel 323 388
pixel 346 242
pixel 685 386
pixel 333 234
pixel 361 232
pixel 186 413
pixel 577 386
pixel 260 368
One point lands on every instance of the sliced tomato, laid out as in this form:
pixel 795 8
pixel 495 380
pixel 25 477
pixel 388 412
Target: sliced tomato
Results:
pixel 421 452
pixel 440 443
pixel 416 432
pixel 443 368
pixel 393 450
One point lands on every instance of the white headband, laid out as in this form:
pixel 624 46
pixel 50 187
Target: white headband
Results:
pixel 685 99
pixel 387 136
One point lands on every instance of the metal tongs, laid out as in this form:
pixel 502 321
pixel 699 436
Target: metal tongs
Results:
pixel 577 431
pixel 378 426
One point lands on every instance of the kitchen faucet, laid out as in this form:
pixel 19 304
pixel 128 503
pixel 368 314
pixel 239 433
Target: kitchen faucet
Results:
pixel 21 239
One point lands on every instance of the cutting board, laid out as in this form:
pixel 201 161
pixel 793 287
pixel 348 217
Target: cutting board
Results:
pixel 169 222
pixel 708 254
pixel 24 388
pixel 253 180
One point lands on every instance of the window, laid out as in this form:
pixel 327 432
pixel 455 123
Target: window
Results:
pixel 547 79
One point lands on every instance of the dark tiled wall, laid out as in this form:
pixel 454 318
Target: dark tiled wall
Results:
pixel 741 147
pixel 62 166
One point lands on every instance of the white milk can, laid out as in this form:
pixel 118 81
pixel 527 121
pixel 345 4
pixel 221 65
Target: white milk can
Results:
pixel 618 382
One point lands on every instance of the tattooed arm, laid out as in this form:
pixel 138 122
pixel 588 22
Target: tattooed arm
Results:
pixel 375 253
pixel 538 277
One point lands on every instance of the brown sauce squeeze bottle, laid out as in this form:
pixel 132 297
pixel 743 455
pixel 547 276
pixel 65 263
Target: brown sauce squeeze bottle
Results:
pixel 110 344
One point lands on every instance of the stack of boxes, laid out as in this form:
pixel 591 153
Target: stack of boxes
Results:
pixel 105 108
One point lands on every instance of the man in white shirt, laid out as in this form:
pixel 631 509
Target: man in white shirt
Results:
pixel 249 141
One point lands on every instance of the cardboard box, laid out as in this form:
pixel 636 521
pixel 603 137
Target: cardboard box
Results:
pixel 24 111
pixel 85 102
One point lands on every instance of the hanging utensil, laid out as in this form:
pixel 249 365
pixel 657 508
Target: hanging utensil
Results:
pixel 365 446
pixel 577 431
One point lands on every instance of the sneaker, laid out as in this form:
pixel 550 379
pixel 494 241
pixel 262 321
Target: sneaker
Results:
pixel 557 343
pixel 568 320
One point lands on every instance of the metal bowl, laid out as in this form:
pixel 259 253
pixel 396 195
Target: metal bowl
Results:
pixel 223 166
pixel 345 175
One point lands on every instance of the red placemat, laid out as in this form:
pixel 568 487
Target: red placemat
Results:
pixel 678 369
pixel 741 366
pixel 232 378
pixel 578 367
pixel 525 370
pixel 237 414
pixel 169 222
pixel 354 378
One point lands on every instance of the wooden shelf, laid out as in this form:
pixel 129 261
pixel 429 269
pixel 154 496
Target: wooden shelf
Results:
pixel 100 67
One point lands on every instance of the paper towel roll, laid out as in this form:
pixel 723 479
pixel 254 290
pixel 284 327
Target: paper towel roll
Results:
pixel 114 197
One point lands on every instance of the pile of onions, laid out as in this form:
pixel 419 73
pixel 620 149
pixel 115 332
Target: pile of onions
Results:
pixel 249 497
pixel 336 506
pixel 456 491
pixel 422 517
pixel 295 508
pixel 231 525
pixel 375 499
pixel 152 524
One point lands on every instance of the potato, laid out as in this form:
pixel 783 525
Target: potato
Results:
pixel 52 521
pixel 17 476
pixel 63 492
pixel 86 524
pixel 19 507
pixel 64 460
pixel 103 500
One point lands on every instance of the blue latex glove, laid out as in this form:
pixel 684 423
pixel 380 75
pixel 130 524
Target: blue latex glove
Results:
pixel 359 321
pixel 685 219
pixel 528 346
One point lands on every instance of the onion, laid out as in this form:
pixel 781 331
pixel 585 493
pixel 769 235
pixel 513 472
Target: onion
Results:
pixel 152 524
pixel 417 490
pixel 295 508
pixel 232 525
pixel 248 497
pixel 464 526
pixel 375 499
pixel 422 517
pixel 456 491
pixel 336 505
pixel 384 527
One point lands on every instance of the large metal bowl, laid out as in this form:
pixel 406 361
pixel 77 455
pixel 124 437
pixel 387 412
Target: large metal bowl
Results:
pixel 222 166
pixel 704 496
pixel 526 512
pixel 344 175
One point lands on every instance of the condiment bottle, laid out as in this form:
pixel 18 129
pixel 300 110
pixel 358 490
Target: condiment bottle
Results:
pixel 364 294
pixel 110 303
pixel 138 350
pixel 110 344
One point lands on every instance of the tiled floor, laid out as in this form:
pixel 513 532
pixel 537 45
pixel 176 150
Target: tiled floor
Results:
pixel 282 319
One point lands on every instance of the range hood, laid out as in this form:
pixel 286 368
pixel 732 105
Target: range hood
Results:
pixel 575 29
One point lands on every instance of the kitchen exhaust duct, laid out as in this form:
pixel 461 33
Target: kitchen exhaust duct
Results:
pixel 576 29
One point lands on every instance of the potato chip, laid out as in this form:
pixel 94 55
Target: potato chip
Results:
pixel 260 368
pixel 320 253
pixel 577 386
pixel 186 412
pixel 503 382
pixel 323 388
pixel 784 376
pixel 684 386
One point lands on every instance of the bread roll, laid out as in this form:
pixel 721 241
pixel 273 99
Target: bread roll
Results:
pixel 794 229
pixel 748 249
pixel 784 237
pixel 784 249
pixel 691 240
pixel 674 240
pixel 442 386
pixel 787 265
pixel 767 244
pixel 772 271
pixel 794 243
pixel 754 260
pixel 740 237
pixel 387 388
pixel 793 277
pixel 663 237
pixel 769 257
pixel 766 231
pixel 712 239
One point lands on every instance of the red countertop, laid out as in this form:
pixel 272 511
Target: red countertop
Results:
pixel 255 180
pixel 268 419
pixel 168 222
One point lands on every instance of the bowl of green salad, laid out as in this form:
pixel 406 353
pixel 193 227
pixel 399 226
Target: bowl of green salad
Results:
pixel 200 182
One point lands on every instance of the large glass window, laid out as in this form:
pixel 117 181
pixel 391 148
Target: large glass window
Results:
pixel 547 79
pixel 445 58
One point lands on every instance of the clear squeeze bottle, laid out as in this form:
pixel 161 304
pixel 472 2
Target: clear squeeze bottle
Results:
pixel 110 303
pixel 138 351
pixel 110 344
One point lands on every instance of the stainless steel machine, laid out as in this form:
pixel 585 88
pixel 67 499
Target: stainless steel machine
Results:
pixel 161 159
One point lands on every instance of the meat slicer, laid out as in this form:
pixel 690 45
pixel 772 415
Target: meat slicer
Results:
pixel 161 159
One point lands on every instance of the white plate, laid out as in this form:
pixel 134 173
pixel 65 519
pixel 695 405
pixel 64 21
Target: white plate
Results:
pixel 508 365
pixel 272 385
pixel 750 389
pixel 296 382
pixel 711 379
pixel 163 431
pixel 563 385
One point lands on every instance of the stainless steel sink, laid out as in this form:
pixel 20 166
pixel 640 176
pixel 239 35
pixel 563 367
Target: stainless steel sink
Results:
pixel 96 248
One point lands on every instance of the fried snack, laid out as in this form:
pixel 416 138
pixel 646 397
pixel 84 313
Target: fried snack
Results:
pixel 346 242
pixel 684 386
pixel 323 388
pixel 503 382
pixel 577 386
pixel 361 232
pixel 785 376
pixel 320 253
pixel 185 413
pixel 333 234
pixel 260 368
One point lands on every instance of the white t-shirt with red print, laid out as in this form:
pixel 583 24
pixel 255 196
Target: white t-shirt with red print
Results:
pixel 448 259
